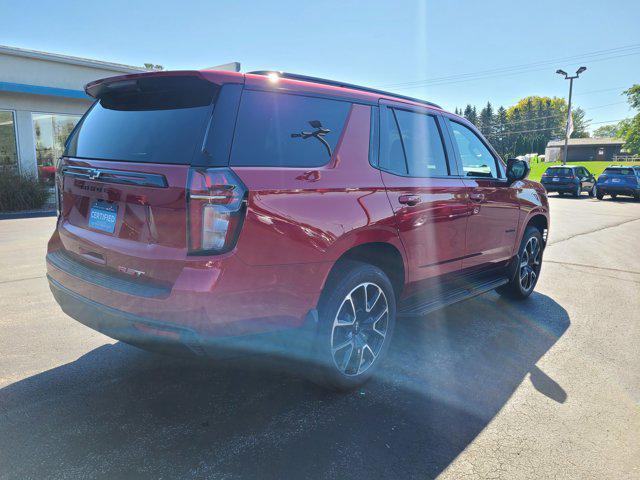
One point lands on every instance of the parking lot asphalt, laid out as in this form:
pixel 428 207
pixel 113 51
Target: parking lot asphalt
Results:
pixel 546 388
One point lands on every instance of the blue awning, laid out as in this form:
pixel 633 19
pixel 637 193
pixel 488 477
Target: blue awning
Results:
pixel 40 90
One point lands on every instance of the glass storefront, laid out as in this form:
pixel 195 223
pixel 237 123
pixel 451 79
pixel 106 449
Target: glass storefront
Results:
pixel 8 149
pixel 50 130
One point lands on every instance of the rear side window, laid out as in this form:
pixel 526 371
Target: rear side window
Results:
pixel 414 145
pixel 422 144
pixel 283 130
pixel 477 160
pixel 152 119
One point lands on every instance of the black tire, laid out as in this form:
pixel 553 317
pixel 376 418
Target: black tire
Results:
pixel 516 289
pixel 577 191
pixel 599 195
pixel 614 195
pixel 348 280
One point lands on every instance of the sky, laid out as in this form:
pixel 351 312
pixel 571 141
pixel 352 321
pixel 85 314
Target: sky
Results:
pixel 451 52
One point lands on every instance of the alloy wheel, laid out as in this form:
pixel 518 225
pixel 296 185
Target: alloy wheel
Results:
pixel 530 264
pixel 359 329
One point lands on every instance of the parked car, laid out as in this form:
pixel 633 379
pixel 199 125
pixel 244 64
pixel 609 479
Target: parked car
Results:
pixel 299 216
pixel 569 179
pixel 619 180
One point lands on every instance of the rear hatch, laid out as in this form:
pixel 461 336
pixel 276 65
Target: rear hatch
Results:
pixel 624 177
pixel 558 176
pixel 123 177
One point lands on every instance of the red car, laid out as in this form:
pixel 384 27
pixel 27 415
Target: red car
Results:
pixel 206 210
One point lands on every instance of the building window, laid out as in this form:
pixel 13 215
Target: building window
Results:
pixel 8 149
pixel 51 131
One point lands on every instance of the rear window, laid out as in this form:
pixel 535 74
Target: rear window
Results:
pixel 562 172
pixel 153 119
pixel 618 171
pixel 282 130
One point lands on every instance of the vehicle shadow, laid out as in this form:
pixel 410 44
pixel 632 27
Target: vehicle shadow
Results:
pixel 119 412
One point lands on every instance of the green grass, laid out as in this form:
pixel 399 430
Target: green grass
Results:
pixel 537 169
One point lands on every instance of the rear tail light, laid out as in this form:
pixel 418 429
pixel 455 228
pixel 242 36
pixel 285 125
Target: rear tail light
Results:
pixel 216 208
pixel 58 184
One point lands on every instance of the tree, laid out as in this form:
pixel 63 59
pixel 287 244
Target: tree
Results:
pixel 579 123
pixel 486 120
pixel 606 131
pixel 499 140
pixel 629 130
pixel 471 114
pixel 151 66
pixel 633 96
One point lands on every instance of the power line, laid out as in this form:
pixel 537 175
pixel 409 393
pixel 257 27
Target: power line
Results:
pixel 499 134
pixel 503 72
pixel 560 114
pixel 620 49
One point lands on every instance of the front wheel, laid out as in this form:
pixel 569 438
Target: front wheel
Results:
pixel 529 260
pixel 357 315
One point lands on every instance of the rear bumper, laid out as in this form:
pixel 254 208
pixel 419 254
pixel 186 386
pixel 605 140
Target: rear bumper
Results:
pixel 221 297
pixel 550 187
pixel 610 189
pixel 174 338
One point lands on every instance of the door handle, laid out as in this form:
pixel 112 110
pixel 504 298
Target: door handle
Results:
pixel 476 196
pixel 409 199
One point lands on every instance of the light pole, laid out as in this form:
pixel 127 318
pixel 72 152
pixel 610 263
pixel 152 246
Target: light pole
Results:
pixel 566 131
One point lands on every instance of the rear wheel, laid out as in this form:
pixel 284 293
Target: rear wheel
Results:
pixel 527 271
pixel 357 317
pixel 578 190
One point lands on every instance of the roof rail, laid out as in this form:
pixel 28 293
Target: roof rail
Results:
pixel 335 83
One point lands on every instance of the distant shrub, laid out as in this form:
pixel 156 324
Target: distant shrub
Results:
pixel 21 193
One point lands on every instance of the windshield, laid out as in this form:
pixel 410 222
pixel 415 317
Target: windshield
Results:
pixel 618 171
pixel 562 172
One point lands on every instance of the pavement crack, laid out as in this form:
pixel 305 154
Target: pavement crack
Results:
pixel 570 237
pixel 2 282
pixel 594 267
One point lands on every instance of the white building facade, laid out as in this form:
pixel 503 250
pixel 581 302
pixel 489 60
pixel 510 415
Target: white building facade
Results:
pixel 41 99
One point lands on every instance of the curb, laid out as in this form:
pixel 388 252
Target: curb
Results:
pixel 27 214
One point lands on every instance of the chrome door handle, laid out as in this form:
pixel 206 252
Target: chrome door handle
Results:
pixel 409 199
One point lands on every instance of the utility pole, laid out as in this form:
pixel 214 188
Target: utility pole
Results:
pixel 566 131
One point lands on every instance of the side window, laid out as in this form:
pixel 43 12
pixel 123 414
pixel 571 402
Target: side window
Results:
pixel 477 160
pixel 411 144
pixel 392 157
pixel 422 142
pixel 282 130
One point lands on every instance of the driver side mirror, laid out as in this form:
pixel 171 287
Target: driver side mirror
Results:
pixel 517 170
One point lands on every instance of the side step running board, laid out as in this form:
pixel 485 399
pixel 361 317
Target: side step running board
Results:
pixel 431 300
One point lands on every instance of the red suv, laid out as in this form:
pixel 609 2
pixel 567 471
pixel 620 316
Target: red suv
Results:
pixel 201 210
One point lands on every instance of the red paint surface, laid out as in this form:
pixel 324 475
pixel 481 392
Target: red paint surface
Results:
pixel 298 223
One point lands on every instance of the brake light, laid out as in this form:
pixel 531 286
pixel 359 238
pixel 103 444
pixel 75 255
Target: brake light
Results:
pixel 216 207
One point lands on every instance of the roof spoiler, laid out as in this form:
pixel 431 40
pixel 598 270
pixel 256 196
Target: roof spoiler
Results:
pixel 123 83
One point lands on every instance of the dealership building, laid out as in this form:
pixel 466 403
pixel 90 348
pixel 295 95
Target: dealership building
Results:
pixel 41 99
